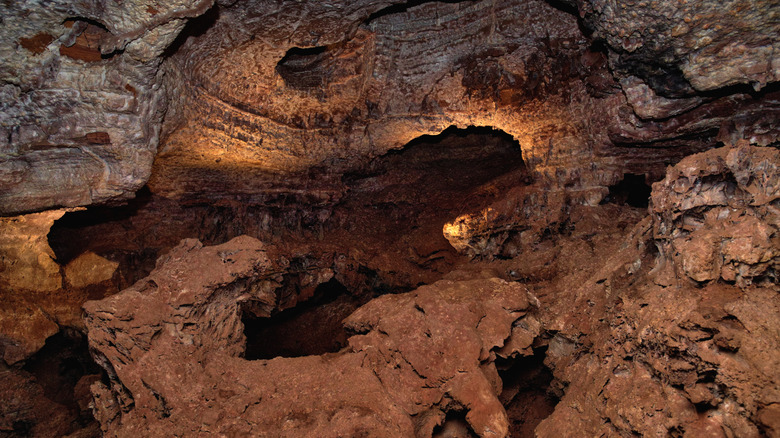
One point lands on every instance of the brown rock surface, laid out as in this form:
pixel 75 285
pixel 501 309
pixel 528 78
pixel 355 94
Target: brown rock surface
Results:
pixel 27 273
pixel 716 215
pixel 37 302
pixel 708 44
pixel 298 123
pixel 656 357
pixel 416 356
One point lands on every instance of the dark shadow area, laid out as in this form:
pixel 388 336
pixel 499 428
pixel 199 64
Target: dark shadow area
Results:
pixel 311 328
pixel 304 68
pixel 632 190
pixel 194 28
pixel 454 426
pixel 65 369
pixel 490 153
pixel 436 176
pixel 527 395
pixel 403 7
pixel 60 237
pixel 568 6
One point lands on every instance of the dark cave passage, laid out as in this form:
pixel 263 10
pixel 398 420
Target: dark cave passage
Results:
pixel 310 328
pixel 304 69
pixel 528 395
pixel 397 203
pixel 435 177
pixel 60 364
pixel 64 369
pixel 633 190
pixel 178 174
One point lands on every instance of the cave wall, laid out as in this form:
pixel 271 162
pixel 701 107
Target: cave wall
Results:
pixel 81 99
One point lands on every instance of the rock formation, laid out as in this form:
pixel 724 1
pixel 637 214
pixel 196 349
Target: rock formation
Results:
pixel 399 161
pixel 415 357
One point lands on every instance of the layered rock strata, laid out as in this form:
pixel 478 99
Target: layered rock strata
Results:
pixel 81 102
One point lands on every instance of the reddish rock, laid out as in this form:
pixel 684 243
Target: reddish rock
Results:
pixel 667 355
pixel 25 410
pixel 38 43
pixel 172 347
pixel 714 215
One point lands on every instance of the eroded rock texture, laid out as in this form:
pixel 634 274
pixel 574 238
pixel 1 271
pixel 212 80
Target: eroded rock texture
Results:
pixel 716 215
pixel 81 107
pixel 172 347
pixel 688 358
pixel 257 93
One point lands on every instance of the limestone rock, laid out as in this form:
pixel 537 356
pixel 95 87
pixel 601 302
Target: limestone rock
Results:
pixel 707 44
pixel 26 266
pixel 280 99
pixel 254 97
pixel 652 360
pixel 28 261
pixel 88 269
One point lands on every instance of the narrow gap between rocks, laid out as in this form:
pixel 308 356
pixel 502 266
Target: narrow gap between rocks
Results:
pixel 399 8
pixel 64 369
pixel 195 27
pixel 454 426
pixel 304 68
pixel 527 395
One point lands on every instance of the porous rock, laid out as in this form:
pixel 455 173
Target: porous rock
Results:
pixel 172 347
pixel 716 215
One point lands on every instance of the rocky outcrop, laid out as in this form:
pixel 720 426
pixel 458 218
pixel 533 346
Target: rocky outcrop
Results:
pixel 658 353
pixel 280 120
pixel 682 47
pixel 716 216
pixel 27 271
pixel 41 297
pixel 172 347
pixel 511 224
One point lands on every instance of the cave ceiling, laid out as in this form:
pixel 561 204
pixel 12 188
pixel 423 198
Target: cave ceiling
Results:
pixel 245 96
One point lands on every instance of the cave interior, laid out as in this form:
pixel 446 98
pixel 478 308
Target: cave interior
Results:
pixel 525 218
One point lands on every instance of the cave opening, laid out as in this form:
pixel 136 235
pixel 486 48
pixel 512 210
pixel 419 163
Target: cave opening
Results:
pixel 454 425
pixel 435 177
pixel 194 28
pixel 396 203
pixel 302 68
pixel 633 190
pixel 310 328
pixel 528 393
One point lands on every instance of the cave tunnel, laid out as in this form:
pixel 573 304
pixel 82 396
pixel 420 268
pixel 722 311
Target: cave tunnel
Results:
pixel 631 190
pixel 210 225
